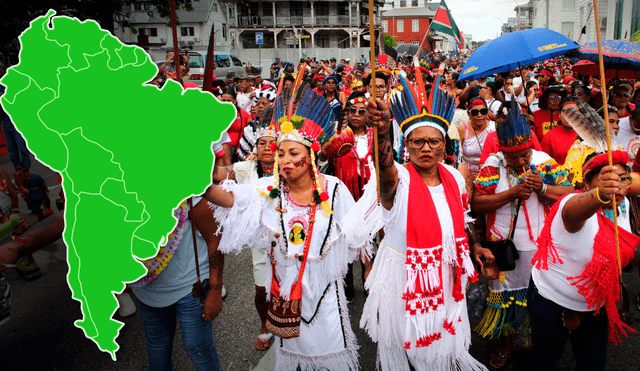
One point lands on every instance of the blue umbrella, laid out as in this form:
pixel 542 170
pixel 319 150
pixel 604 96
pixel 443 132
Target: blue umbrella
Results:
pixel 515 49
pixel 616 54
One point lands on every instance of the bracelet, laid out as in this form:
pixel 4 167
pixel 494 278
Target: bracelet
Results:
pixel 543 190
pixel 598 196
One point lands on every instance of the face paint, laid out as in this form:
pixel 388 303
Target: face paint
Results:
pixel 301 162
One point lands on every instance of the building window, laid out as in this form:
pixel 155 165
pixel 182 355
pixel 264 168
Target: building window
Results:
pixel 400 42
pixel 568 4
pixel 322 41
pixel 415 25
pixel 603 25
pixel 403 3
pixel 232 13
pixel 415 42
pixel 295 7
pixel 566 28
pixel 153 32
pixel 343 8
pixel 214 6
pixel 385 26
pixel 322 8
pixel 224 31
pixel 187 31
pixel 400 25
pixel 414 2
pixel 267 9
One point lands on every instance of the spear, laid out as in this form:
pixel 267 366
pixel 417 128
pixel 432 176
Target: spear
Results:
pixel 606 121
pixel 372 58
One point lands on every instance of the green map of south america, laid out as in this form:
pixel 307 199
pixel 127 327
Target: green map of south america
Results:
pixel 129 153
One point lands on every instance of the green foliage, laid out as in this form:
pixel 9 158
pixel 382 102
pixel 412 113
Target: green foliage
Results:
pixel 390 40
pixel 636 37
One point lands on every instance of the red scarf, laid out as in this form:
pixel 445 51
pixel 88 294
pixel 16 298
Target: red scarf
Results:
pixel 348 165
pixel 598 283
pixel 424 290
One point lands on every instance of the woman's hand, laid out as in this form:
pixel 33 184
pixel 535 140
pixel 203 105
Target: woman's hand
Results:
pixel 609 183
pixel 534 181
pixel 378 115
pixel 521 191
pixel 481 255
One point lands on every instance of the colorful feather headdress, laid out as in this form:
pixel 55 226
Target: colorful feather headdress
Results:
pixel 413 108
pixel 514 135
pixel 305 117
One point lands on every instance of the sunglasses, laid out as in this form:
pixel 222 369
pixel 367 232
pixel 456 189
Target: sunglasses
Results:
pixel 359 111
pixel 621 95
pixel 475 112
pixel 554 97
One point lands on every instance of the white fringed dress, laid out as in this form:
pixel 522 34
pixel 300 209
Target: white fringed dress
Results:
pixel 326 340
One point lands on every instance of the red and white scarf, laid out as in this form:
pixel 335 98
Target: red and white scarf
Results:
pixel 599 282
pixel 353 170
pixel 424 292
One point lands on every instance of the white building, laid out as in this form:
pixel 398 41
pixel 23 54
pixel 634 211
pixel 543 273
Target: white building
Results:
pixel 154 33
pixel 619 19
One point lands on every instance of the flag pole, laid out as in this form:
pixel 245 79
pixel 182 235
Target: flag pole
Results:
pixel 606 121
pixel 372 44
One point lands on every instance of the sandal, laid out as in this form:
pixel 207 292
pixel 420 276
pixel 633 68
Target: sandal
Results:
pixel 499 359
pixel 263 341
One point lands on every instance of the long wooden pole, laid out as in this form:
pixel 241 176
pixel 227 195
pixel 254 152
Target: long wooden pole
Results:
pixel 606 121
pixel 372 44
pixel 176 50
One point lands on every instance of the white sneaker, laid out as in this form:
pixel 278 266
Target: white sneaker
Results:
pixel 224 291
pixel 126 305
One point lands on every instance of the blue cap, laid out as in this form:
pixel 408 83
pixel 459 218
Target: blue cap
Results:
pixel 330 78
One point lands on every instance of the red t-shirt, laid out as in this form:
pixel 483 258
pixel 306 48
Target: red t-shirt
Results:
pixel 543 122
pixel 236 128
pixel 491 146
pixel 625 113
pixel 557 143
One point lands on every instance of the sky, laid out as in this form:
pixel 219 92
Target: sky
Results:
pixel 482 19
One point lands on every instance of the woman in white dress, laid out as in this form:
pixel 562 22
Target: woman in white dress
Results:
pixel 416 310
pixel 298 213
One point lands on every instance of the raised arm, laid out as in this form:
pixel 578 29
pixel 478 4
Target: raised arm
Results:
pixel 218 196
pixel 582 207
pixel 378 115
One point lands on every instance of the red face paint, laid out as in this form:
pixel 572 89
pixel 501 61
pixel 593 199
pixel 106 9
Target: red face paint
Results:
pixel 301 162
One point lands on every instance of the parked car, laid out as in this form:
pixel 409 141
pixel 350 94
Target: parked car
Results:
pixel 225 63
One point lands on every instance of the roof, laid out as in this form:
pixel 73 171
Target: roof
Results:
pixel 200 14
pixel 420 11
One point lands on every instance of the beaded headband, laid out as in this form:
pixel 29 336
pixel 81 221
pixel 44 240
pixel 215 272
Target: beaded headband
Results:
pixel 357 100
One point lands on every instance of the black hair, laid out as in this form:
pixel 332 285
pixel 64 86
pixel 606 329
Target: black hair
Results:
pixel 492 85
pixel 354 95
pixel 588 177
pixel 612 109
pixel 569 99
pixel 530 84
pixel 288 78
pixel 382 75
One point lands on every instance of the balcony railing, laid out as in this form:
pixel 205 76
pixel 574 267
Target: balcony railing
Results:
pixel 322 21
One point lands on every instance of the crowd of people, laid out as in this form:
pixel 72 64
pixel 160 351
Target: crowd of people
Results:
pixel 487 186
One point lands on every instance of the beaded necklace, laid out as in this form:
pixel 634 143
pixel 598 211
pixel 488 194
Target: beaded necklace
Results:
pixel 609 212
pixel 157 264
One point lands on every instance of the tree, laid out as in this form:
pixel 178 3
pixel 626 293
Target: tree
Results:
pixel 389 40
pixel 636 37
pixel 105 12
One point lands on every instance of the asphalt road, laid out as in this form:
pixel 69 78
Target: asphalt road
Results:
pixel 41 334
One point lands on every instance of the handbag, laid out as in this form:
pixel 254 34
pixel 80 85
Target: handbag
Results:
pixel 283 316
pixel 505 251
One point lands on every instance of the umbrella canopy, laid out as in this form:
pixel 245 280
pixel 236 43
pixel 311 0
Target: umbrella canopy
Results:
pixel 515 49
pixel 589 68
pixel 410 49
pixel 616 54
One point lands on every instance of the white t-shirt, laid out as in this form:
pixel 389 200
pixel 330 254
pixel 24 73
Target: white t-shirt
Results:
pixel 629 140
pixel 575 250
pixel 493 105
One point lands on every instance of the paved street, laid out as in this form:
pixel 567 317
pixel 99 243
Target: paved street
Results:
pixel 41 334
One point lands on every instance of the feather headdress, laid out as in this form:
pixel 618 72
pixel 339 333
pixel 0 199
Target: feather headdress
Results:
pixel 413 108
pixel 514 134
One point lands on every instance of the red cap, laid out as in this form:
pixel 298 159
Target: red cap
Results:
pixel 568 79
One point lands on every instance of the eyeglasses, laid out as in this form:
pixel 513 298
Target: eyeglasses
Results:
pixel 475 112
pixel 621 95
pixel 354 110
pixel 418 143
pixel 554 97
